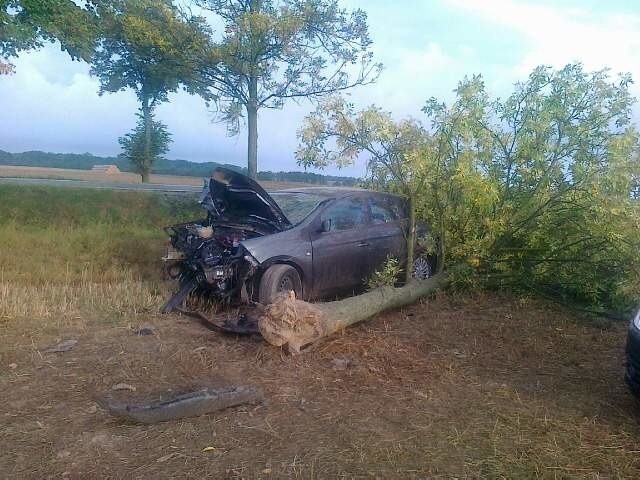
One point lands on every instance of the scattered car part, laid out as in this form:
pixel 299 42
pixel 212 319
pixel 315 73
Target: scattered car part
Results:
pixel 61 347
pixel 244 324
pixel 190 404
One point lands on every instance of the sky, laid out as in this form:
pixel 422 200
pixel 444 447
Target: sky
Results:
pixel 427 47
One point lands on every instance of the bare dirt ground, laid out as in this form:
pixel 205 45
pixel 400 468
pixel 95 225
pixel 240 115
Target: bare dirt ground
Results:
pixel 122 177
pixel 468 387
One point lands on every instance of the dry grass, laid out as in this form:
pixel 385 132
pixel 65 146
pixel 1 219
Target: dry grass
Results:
pixel 53 301
pixel 122 177
pixel 467 387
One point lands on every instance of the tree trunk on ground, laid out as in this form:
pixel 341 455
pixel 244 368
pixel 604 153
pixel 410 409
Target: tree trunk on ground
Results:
pixel 294 324
pixel 252 121
pixel 147 160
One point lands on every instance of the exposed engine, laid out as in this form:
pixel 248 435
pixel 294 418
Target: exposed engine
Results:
pixel 209 259
pixel 207 256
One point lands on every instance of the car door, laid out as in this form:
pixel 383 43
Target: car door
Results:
pixel 386 231
pixel 339 255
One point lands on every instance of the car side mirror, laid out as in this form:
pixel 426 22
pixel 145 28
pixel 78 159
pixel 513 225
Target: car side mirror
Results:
pixel 326 225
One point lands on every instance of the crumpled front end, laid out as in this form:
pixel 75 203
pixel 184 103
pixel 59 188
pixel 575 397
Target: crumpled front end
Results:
pixel 210 260
pixel 207 256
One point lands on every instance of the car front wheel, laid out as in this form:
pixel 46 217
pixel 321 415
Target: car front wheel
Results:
pixel 277 279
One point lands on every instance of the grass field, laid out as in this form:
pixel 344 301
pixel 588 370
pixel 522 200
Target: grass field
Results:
pixel 67 249
pixel 122 177
pixel 465 386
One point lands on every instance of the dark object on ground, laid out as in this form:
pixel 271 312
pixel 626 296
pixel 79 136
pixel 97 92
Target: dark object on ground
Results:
pixel 145 330
pixel 295 324
pixel 243 325
pixel 188 405
pixel 632 373
pixel 61 347
pixel 317 242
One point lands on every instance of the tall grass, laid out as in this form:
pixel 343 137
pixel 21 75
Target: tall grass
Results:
pixel 70 252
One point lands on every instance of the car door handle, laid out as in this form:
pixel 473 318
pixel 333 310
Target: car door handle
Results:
pixel 363 244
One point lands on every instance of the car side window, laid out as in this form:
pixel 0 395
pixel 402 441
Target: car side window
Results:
pixel 345 214
pixel 381 211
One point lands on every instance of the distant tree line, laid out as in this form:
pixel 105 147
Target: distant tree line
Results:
pixel 85 161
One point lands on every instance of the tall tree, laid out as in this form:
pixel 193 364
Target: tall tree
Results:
pixel 28 24
pixel 278 50
pixel 151 48
pixel 141 153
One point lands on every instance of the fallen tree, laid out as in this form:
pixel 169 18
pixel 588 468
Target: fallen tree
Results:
pixel 295 324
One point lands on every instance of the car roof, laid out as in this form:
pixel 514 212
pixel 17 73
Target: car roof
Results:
pixel 331 192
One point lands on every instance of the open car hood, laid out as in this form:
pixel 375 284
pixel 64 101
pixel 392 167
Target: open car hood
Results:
pixel 232 196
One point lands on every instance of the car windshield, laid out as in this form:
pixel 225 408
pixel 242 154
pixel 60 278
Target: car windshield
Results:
pixel 296 205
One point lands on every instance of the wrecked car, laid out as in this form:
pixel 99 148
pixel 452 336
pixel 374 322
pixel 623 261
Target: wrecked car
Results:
pixel 317 241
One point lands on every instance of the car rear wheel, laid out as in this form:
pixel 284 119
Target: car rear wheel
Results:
pixel 421 268
pixel 277 279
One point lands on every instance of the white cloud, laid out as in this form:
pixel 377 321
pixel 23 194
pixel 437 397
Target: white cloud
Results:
pixel 557 35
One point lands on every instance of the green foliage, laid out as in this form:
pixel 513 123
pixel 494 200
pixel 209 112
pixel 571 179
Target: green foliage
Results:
pixel 27 24
pixel 537 191
pixel 278 50
pixel 559 156
pixel 68 208
pixel 148 46
pixel 146 144
pixel 387 275
pixel 61 235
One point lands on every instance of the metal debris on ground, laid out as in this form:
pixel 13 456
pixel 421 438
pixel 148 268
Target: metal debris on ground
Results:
pixel 190 404
pixel 145 330
pixel 61 347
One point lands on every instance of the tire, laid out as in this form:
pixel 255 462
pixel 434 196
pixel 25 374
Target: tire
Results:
pixel 421 268
pixel 278 278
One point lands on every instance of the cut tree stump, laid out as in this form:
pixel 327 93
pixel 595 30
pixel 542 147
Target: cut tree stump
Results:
pixel 294 324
